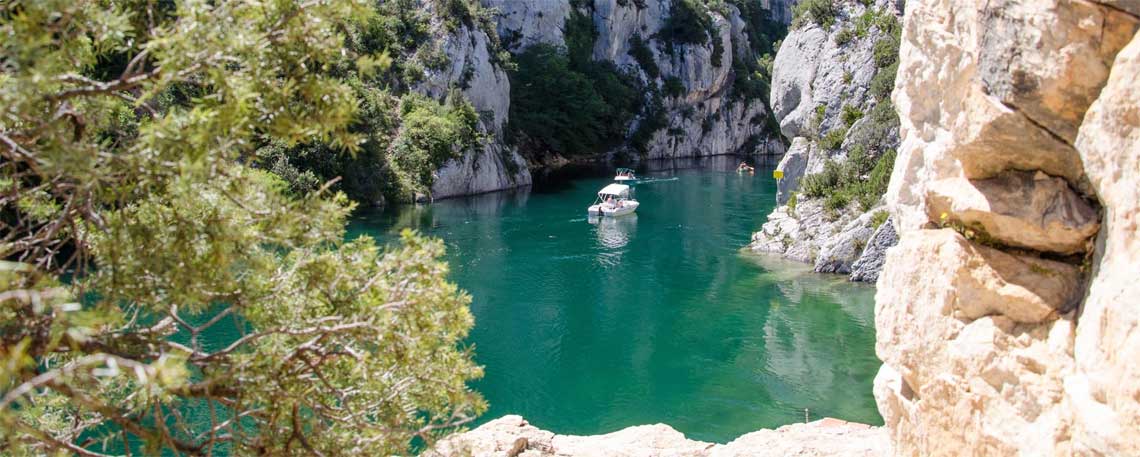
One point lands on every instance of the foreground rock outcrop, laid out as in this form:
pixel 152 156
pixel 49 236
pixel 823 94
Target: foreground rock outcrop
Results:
pixel 513 436
pixel 1005 317
pixel 829 89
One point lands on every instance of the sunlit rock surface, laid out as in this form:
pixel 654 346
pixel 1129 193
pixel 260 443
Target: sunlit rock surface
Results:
pixel 817 76
pixel 1028 210
pixel 494 165
pixel 1105 390
pixel 514 436
pixel 1014 330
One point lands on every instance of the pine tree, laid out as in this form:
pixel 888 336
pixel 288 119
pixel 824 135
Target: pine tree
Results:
pixel 133 229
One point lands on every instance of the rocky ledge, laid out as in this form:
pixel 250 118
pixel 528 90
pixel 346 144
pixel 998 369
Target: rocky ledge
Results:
pixel 512 436
pixel 829 93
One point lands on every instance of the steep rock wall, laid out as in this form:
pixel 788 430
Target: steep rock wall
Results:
pixel 470 68
pixel 1005 317
pixel 708 118
pixel 823 98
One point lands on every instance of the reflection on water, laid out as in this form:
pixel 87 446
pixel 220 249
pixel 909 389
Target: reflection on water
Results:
pixel 614 232
pixel 586 326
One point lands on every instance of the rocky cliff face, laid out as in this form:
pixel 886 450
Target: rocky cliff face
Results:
pixel 707 117
pixel 512 436
pixel 1005 316
pixel 483 82
pixel 829 89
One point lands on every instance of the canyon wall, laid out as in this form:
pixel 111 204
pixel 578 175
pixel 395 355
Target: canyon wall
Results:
pixel 470 67
pixel 830 84
pixel 708 116
pixel 1005 316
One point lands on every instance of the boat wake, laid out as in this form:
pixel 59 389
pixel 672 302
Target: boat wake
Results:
pixel 655 180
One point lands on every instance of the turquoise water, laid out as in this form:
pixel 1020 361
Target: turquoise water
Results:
pixel 590 326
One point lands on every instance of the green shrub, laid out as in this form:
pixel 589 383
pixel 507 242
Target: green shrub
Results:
pixel 882 126
pixel 641 53
pixel 880 177
pixel 833 139
pixel 567 106
pixel 674 87
pixel 717 57
pixel 844 36
pixel 864 22
pixel 819 12
pixel 817 119
pixel 822 183
pixel 879 218
pixel 888 23
pixel 688 23
pixel 859 179
pixel 886 51
pixel 836 201
pixel 653 119
pixel 580 34
pixel 850 115
pixel 430 135
pixel 793 200
pixel 884 82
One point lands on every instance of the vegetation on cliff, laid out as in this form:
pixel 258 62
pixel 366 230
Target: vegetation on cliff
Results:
pixel 401 134
pixel 564 102
pixel 135 230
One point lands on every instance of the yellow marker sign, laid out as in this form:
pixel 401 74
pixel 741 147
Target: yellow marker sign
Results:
pixel 778 174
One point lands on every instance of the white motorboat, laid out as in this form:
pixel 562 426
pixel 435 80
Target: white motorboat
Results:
pixel 613 200
pixel 625 176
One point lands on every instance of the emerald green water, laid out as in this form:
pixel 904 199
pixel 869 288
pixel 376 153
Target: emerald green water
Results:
pixel 588 327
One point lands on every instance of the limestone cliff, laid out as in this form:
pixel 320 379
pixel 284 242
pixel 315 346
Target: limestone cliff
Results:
pixel 706 113
pixel 470 68
pixel 1005 317
pixel 831 79
pixel 710 115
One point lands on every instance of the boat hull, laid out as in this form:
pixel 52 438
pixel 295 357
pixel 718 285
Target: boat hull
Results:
pixel 605 210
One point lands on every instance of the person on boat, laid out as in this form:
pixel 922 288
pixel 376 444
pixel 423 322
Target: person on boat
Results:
pixel 744 167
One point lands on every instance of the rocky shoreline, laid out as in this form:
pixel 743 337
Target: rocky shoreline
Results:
pixel 511 436
pixel 828 99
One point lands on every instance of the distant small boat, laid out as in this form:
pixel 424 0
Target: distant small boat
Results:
pixel 625 175
pixel 613 200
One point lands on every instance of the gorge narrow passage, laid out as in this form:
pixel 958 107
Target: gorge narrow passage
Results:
pixel 656 317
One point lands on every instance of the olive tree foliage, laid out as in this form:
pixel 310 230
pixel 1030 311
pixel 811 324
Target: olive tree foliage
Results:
pixel 133 233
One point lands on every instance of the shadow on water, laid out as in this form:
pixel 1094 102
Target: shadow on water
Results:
pixel 589 325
